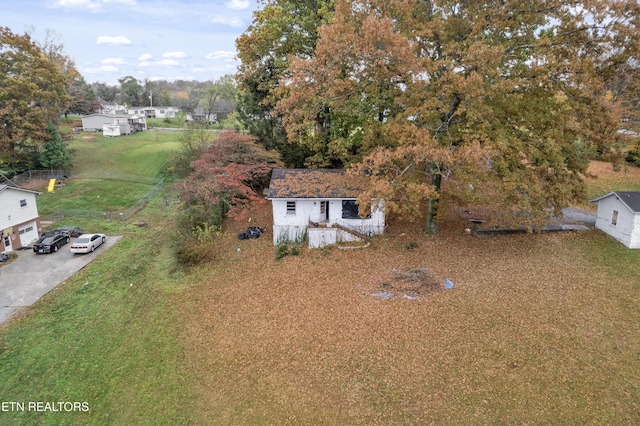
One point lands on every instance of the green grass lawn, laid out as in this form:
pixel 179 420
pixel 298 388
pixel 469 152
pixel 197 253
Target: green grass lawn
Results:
pixel 143 153
pixel 109 336
pixel 92 194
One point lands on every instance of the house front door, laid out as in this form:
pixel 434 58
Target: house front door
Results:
pixel 324 211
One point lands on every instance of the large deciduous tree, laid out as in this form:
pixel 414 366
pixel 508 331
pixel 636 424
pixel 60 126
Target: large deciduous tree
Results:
pixel 280 30
pixel 80 93
pixel 496 102
pixel 224 88
pixel 131 91
pixel 32 92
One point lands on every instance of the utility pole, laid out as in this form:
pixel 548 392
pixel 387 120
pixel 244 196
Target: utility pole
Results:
pixel 151 98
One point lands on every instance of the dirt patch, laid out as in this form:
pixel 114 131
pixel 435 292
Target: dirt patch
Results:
pixel 409 284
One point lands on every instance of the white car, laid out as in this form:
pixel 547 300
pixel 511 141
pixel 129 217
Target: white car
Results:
pixel 87 243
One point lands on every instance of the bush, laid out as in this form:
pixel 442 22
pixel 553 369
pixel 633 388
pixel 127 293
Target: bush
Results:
pixel 633 157
pixel 282 251
pixel 191 252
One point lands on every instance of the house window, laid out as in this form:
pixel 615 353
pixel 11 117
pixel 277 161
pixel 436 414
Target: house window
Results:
pixel 23 203
pixel 614 217
pixel 291 207
pixel 25 230
pixel 350 210
pixel 323 207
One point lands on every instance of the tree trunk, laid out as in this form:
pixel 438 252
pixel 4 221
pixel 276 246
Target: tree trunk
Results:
pixel 432 209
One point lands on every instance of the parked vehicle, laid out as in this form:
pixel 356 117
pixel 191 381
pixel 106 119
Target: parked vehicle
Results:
pixel 51 242
pixel 73 231
pixel 87 243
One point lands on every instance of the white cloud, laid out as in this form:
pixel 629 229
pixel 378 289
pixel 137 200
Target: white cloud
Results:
pixel 237 4
pixel 114 41
pixel 145 57
pixel 91 5
pixel 98 70
pixel 232 21
pixel 163 62
pixel 174 55
pixel 168 62
pixel 220 54
pixel 115 61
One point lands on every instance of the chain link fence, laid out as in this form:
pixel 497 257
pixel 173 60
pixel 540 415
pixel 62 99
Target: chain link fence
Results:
pixel 158 183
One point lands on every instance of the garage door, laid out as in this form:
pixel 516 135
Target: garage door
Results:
pixel 28 233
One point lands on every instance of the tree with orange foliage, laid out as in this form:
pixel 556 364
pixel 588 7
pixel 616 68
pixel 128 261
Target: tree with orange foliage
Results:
pixel 32 92
pixel 226 179
pixel 499 103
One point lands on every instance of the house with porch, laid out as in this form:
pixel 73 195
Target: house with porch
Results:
pixel 114 124
pixel 320 205
pixel 154 111
pixel 19 219
pixel 619 216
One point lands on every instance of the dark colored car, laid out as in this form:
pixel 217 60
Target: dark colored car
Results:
pixel 50 242
pixel 73 231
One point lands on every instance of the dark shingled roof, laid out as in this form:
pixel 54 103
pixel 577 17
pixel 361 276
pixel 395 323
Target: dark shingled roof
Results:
pixel 311 183
pixel 630 199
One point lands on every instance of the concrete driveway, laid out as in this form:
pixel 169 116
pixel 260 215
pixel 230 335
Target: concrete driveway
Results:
pixel 31 275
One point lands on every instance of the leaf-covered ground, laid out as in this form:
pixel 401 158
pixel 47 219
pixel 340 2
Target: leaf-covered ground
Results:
pixel 537 329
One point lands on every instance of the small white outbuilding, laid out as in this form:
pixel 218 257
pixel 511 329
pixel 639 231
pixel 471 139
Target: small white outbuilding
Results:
pixel 619 216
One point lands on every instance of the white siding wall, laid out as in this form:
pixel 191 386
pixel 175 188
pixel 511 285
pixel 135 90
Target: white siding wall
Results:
pixel 635 233
pixel 621 231
pixel 95 122
pixel 14 218
pixel 10 207
pixel 292 227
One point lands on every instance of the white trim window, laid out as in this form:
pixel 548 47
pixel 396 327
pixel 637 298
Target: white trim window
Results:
pixel 291 207
pixel 23 203
pixel 614 218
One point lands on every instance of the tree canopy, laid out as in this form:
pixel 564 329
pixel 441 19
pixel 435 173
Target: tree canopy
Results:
pixel 497 102
pixel 280 30
pixel 32 93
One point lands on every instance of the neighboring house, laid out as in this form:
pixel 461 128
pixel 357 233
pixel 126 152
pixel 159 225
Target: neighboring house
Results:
pixel 19 220
pixel 619 216
pixel 105 107
pixel 113 125
pixel 154 112
pixel 199 114
pixel 319 205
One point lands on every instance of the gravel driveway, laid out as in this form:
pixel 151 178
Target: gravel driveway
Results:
pixel 31 275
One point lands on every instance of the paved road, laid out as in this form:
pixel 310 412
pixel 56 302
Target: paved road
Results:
pixel 31 275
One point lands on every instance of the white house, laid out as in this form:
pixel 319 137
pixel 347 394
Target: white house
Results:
pixel 154 111
pixel 19 219
pixel 319 204
pixel 105 107
pixel 619 216
pixel 113 124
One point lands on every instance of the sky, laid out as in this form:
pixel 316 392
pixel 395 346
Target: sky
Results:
pixel 147 39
